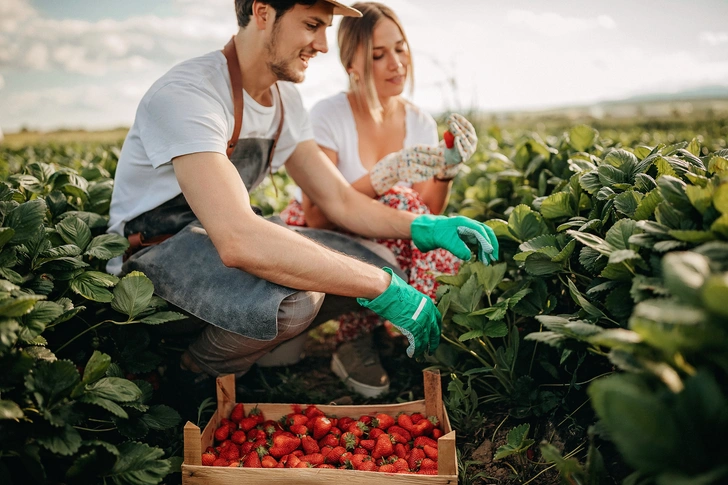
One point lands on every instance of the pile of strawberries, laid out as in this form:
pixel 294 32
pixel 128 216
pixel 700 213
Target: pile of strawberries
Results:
pixel 307 438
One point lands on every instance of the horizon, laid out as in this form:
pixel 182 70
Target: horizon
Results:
pixel 87 64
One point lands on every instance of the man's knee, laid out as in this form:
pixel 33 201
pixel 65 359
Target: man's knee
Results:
pixel 297 311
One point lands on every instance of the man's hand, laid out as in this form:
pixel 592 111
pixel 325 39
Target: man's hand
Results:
pixel 454 234
pixel 464 141
pixel 411 312
pixel 415 164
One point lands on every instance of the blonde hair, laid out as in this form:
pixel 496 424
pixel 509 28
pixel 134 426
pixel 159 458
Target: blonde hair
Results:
pixel 359 32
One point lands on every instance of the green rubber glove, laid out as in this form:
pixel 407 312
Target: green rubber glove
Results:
pixel 454 234
pixel 411 312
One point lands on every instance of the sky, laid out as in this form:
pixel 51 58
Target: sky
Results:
pixel 87 63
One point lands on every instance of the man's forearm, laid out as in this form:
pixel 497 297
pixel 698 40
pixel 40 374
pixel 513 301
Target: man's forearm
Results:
pixel 289 259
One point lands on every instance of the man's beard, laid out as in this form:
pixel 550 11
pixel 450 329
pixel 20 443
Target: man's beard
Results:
pixel 281 67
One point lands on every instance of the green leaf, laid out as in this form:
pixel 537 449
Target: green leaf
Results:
pixel 540 264
pixel 163 317
pixel 621 159
pixel 673 191
pixel 494 312
pixel 106 404
pixel 638 422
pixel 583 302
pixel 161 417
pixel 139 464
pixel 66 441
pixel 516 442
pixel 610 176
pixel 10 410
pixel 500 228
pixel 107 246
pixel 115 388
pixel 565 253
pixel 495 329
pixel 92 286
pixel 74 231
pixel 96 367
pixel 18 306
pixel 25 220
pixel 590 182
pixel 133 294
pixel 647 205
pixel 628 202
pixel 6 234
pixel 700 197
pixel 539 242
pixel 557 205
pixel 594 242
pixel 694 147
pixel 490 276
pixel 471 293
pixel 714 294
pixel 720 225
pixel 526 224
pixel 52 381
pixel 582 137
pixel 471 334
pixel 692 236
pixel 618 235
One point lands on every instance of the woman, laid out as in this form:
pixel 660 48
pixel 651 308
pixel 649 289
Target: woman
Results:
pixel 356 130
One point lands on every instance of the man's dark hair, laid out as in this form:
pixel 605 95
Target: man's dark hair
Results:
pixel 244 8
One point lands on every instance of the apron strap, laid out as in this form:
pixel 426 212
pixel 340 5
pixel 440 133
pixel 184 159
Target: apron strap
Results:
pixel 236 82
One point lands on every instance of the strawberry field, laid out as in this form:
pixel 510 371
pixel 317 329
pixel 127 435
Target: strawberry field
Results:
pixel 594 352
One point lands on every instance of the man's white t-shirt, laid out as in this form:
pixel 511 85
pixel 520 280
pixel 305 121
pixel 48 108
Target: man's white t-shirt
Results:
pixel 334 128
pixel 190 110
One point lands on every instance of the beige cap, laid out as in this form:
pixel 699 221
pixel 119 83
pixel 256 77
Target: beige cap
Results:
pixel 341 9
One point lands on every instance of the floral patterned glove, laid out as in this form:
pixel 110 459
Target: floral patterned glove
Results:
pixel 458 145
pixel 414 164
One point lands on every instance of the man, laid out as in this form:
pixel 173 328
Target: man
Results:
pixel 255 281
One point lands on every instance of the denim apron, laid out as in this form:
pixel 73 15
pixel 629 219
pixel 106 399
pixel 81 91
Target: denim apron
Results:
pixel 186 269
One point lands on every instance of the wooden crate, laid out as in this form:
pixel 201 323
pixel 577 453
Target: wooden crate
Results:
pixel 193 473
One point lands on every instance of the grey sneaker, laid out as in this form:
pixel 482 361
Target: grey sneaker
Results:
pixel 357 364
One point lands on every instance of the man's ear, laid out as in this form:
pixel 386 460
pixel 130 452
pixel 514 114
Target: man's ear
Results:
pixel 262 12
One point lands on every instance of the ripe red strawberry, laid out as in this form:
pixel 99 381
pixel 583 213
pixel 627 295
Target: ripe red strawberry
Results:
pixel 383 421
pixel 416 417
pixel 349 440
pixel 388 468
pixel 333 456
pixel 312 411
pixel 296 419
pixel 383 447
pixel 449 139
pixel 398 437
pixel 227 422
pixel 268 462
pixel 321 426
pixel 246 447
pixel 222 433
pixel 208 458
pixel 298 452
pixel 257 413
pixel 361 451
pixel 437 433
pixel 345 458
pixel 292 461
pixel 401 465
pixel 427 471
pixel 230 453
pixel 283 445
pixel 423 428
pixel 329 440
pixel 530 453
pixel 238 413
pixel 358 428
pixel 299 430
pixel 271 427
pixel 367 444
pixel 235 464
pixel 357 460
pixel 256 434
pixel 220 462
pixel 400 430
pixel 238 437
pixel 366 420
pixel 375 433
pixel 421 441
pixel 400 450
pixel 430 452
pixel 405 421
pixel 345 422
pixel 309 445
pixel 313 458
pixel 211 449
pixel 246 424
pixel 325 465
pixel 252 460
pixel 335 431
pixel 415 458
pixel 428 464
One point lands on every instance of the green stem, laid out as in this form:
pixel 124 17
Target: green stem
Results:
pixel 459 344
pixel 93 327
pixel 94 430
pixel 499 427
pixel 578 383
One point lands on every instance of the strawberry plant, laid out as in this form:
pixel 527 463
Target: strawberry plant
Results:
pixel 62 396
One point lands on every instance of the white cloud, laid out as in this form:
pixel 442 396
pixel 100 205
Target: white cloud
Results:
pixel 714 38
pixel 553 24
pixel 97 48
